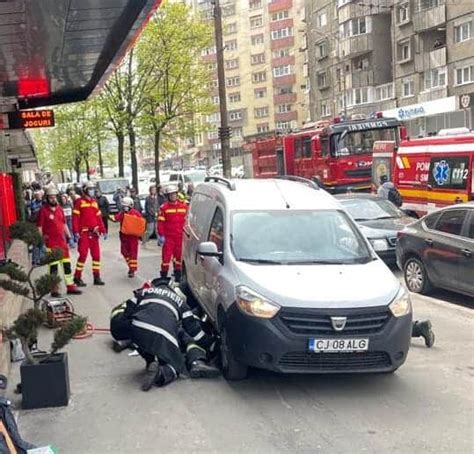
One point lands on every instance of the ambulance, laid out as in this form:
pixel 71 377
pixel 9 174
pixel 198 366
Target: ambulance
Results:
pixel 431 172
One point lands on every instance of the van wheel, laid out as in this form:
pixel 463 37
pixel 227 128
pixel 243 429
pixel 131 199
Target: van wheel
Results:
pixel 416 277
pixel 231 368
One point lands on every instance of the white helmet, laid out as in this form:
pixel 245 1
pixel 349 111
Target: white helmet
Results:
pixel 127 202
pixel 89 185
pixel 51 190
pixel 171 189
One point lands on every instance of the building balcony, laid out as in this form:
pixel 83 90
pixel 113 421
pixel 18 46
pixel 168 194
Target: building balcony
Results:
pixel 279 5
pixel 276 25
pixel 427 19
pixel 356 45
pixel 290 60
pixel 284 80
pixel 284 99
pixel 358 79
pixel 429 60
pixel 287 116
pixel 432 95
pixel 289 41
pixel 352 10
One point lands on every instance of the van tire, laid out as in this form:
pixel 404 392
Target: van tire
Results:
pixel 232 370
pixel 416 277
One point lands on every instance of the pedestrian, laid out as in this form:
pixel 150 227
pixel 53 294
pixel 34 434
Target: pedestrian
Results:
pixel 171 220
pixel 55 232
pixel 151 212
pixel 87 226
pixel 161 195
pixel 35 207
pixel 67 206
pixel 128 236
pixel 117 198
pixel 388 191
pixel 136 200
pixel 182 196
pixel 190 190
pixel 167 334
pixel 104 209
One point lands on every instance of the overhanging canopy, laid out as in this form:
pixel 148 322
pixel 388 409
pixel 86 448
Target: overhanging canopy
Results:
pixel 58 51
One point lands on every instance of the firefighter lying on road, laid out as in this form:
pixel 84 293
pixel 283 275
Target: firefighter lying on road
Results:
pixel 160 323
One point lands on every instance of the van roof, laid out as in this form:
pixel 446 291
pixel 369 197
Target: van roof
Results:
pixel 270 194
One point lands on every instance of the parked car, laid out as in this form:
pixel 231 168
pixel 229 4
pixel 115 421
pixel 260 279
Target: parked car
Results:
pixel 379 219
pixel 290 282
pixel 108 186
pixel 438 251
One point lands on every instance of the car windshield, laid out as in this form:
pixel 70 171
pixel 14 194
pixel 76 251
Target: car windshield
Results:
pixel 196 176
pixel 297 237
pixel 371 209
pixel 110 186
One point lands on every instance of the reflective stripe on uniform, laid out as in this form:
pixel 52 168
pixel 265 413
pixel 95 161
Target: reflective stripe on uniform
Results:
pixel 199 335
pixel 193 346
pixel 76 212
pixel 156 329
pixel 161 218
pixel 181 210
pixel 117 311
pixel 170 210
pixel 162 303
pixel 188 314
pixel 80 265
pixel 85 205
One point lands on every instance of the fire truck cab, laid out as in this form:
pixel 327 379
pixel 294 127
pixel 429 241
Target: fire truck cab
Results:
pixel 430 172
pixel 337 155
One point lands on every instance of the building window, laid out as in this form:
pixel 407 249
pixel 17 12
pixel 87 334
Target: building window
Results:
pixel 463 32
pixel 228 10
pixel 261 76
pixel 280 15
pixel 359 96
pixel 260 92
pixel 208 51
pixel 354 27
pixel 285 70
pixel 256 21
pixel 212 66
pixel 384 92
pixel 234 97
pixel 403 13
pixel 213 83
pixel 325 109
pixel 256 39
pixel 215 100
pixel 263 127
pixel 232 64
pixel 404 51
pixel 323 80
pixel 284 125
pixel 282 33
pixel 284 90
pixel 284 108
pixel 254 4
pixel 261 112
pixel 230 28
pixel 281 53
pixel 230 45
pixel 235 115
pixel 322 50
pixel 212 135
pixel 257 59
pixel 322 20
pixel 237 132
pixel 428 4
pixel 214 118
pixel 407 88
pixel 233 81
pixel 342 2
pixel 434 78
pixel 465 75
pixel 361 64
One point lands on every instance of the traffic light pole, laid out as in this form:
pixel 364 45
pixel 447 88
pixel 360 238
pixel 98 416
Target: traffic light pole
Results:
pixel 224 130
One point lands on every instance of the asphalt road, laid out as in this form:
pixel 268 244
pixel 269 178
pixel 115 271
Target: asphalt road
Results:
pixel 426 406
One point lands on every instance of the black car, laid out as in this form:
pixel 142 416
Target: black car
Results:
pixel 438 251
pixel 379 220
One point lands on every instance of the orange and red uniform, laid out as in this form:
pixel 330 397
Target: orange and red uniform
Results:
pixel 171 219
pixel 87 223
pixel 129 243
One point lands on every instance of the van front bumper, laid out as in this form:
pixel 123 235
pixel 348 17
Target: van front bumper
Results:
pixel 273 345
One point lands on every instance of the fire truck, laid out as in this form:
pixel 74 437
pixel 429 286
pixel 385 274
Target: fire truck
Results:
pixel 429 172
pixel 336 154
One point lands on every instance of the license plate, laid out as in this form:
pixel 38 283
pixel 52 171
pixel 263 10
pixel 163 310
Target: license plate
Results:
pixel 338 345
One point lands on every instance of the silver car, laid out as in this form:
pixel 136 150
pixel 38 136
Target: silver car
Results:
pixel 289 281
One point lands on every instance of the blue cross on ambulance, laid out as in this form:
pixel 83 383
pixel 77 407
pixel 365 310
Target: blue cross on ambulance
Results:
pixel 430 172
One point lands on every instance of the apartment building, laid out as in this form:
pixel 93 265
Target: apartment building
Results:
pixel 264 58
pixel 411 59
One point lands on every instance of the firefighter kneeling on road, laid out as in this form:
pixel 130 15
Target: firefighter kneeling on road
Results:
pixel 171 219
pixel 159 322
pixel 129 240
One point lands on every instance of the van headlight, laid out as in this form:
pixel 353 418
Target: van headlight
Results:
pixel 254 304
pixel 401 305
pixel 379 244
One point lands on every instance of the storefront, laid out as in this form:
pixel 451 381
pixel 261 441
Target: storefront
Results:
pixel 429 117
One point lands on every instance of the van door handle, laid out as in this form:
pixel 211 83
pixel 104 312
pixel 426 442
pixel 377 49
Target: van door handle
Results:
pixel 466 253
pixel 429 242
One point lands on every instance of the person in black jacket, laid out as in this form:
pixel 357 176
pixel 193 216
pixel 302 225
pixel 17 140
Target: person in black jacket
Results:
pixel 160 323
pixel 136 200
pixel 104 208
pixel 151 212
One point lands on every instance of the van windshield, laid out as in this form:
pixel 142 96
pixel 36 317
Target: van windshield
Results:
pixel 110 186
pixel 297 237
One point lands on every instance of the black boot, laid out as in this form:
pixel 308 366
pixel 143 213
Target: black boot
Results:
pixel 423 329
pixel 98 281
pixel 164 274
pixel 199 369
pixel 152 376
pixel 120 346
pixel 177 276
pixel 79 282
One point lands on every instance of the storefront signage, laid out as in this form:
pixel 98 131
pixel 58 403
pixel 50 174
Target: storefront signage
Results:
pixel 24 119
pixel 424 109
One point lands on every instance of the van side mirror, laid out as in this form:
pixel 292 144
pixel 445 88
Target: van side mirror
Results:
pixel 208 249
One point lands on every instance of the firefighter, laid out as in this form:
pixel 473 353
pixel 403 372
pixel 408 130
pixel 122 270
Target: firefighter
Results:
pixel 171 220
pixel 52 226
pixel 128 243
pixel 87 226
pixel 161 325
